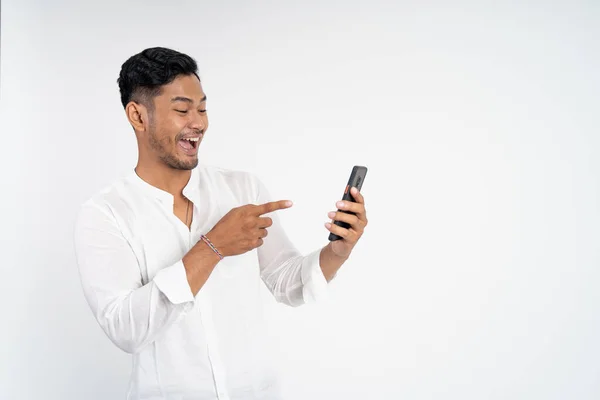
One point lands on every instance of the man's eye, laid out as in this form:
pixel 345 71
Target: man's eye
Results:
pixel 182 111
pixel 202 111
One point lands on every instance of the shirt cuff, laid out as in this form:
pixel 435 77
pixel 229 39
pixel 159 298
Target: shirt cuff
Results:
pixel 172 282
pixel 314 284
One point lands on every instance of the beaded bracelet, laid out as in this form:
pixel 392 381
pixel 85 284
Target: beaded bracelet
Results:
pixel 212 246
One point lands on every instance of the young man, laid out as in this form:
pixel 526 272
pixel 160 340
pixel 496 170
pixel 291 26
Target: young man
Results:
pixel 172 255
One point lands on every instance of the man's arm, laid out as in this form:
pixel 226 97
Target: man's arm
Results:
pixel 294 279
pixel 131 314
pixel 338 251
pixel 330 262
pixel 291 277
pixel 199 263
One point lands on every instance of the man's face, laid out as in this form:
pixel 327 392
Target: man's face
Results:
pixel 178 123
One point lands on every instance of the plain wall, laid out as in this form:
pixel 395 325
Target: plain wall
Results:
pixel 478 275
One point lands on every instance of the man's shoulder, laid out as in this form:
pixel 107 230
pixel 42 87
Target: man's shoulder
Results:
pixel 112 195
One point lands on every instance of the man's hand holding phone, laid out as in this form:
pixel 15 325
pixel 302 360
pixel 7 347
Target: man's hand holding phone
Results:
pixel 350 219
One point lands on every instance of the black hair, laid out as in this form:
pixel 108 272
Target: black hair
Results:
pixel 143 74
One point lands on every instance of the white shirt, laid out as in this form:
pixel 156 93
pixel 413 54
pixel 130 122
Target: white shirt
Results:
pixel 129 247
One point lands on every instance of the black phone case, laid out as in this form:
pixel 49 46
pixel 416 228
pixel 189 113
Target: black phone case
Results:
pixel 357 177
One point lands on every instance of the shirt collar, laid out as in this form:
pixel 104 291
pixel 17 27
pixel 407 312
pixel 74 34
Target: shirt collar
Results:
pixel 191 189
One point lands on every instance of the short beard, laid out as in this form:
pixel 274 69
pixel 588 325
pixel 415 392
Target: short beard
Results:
pixel 168 158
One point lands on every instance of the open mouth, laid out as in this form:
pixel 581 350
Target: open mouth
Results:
pixel 189 145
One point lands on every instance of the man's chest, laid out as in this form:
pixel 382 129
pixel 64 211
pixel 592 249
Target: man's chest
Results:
pixel 159 238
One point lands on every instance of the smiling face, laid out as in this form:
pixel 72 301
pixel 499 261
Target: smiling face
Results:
pixel 176 123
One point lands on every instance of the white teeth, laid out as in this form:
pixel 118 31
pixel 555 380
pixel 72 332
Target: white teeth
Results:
pixel 192 139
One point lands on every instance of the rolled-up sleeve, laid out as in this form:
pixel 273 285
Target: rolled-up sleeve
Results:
pixel 172 282
pixel 132 314
pixel 293 278
pixel 314 284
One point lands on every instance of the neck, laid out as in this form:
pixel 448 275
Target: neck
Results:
pixel 163 177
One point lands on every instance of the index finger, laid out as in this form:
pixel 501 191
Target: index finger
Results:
pixel 272 206
pixel 357 195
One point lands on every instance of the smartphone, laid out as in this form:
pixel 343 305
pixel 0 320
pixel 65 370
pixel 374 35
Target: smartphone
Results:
pixel 357 177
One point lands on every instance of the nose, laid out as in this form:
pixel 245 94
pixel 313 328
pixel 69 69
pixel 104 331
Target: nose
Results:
pixel 198 123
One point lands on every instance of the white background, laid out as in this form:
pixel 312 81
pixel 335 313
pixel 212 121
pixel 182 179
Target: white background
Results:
pixel 478 275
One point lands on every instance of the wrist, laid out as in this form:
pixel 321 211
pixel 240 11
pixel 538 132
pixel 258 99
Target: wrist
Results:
pixel 341 257
pixel 201 256
pixel 199 263
pixel 207 241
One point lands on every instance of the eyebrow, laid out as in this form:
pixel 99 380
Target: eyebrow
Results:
pixel 186 99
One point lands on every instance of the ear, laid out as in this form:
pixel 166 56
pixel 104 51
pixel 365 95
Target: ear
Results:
pixel 137 114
